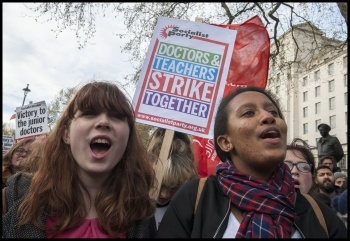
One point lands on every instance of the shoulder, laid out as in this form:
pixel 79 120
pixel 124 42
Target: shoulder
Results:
pixel 187 194
pixel 145 228
pixel 309 223
pixel 192 185
pixel 19 178
pixel 16 187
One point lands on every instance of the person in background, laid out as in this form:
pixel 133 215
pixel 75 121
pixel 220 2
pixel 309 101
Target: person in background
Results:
pixel 340 179
pixel 340 201
pixel 340 205
pixel 324 179
pixel 301 162
pixel 94 176
pixel 252 180
pixel 329 161
pixel 31 164
pixel 28 166
pixel 179 167
pixel 329 145
pixel 14 158
pixel 327 191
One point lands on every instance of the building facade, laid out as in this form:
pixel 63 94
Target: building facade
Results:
pixel 310 79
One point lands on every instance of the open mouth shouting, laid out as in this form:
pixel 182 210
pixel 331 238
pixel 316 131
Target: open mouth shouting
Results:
pixel 99 146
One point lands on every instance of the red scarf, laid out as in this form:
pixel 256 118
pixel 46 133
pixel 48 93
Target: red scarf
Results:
pixel 268 206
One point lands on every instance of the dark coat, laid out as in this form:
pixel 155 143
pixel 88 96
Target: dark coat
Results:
pixel 213 211
pixel 330 146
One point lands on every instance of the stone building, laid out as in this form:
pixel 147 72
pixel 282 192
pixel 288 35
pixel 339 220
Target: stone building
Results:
pixel 310 79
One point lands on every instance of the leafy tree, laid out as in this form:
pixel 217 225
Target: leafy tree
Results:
pixel 141 18
pixel 8 129
pixel 55 108
pixel 144 132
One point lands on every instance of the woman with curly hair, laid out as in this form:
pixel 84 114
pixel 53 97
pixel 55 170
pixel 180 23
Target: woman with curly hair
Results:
pixel 14 158
pixel 252 194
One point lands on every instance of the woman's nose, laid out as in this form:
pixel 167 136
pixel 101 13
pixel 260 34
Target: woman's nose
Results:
pixel 268 118
pixel 103 120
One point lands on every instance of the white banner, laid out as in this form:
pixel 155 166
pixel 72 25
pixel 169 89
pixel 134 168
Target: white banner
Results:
pixel 184 75
pixel 31 120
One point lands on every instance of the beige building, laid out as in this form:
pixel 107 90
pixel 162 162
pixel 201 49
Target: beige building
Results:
pixel 312 85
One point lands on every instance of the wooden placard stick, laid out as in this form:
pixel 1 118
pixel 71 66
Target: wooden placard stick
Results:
pixel 163 158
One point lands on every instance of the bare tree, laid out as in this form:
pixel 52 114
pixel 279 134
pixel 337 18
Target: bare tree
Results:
pixel 343 7
pixel 141 18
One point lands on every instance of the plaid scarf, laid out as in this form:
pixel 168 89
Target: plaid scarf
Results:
pixel 268 206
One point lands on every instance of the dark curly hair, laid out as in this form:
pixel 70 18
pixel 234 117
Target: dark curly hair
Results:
pixel 222 114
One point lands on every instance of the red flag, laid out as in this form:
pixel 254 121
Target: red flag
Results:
pixel 249 67
pixel 13 116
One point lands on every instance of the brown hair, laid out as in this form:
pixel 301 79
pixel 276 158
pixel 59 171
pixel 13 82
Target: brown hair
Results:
pixel 320 162
pixel 299 145
pixel 31 165
pixel 57 190
pixel 7 168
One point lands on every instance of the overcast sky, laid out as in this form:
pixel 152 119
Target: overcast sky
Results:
pixel 33 55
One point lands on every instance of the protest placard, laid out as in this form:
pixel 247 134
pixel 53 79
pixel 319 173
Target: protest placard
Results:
pixel 184 76
pixel 31 121
pixel 7 142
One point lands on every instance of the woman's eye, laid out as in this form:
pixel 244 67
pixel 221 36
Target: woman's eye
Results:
pixel 87 113
pixel 248 113
pixel 274 112
pixel 115 116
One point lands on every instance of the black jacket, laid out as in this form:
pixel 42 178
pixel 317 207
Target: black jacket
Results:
pixel 213 211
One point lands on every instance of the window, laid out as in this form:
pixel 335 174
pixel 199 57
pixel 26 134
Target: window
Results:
pixel 346 118
pixel 345 62
pixel 317 91
pixel 342 163
pixel 317 108
pixel 331 85
pixel 331 69
pixel 332 121
pixel 345 79
pixel 305 112
pixel 346 98
pixel 305 96
pixel 277 90
pixel 317 75
pixel 317 123
pixel 305 81
pixel 305 128
pixel 332 103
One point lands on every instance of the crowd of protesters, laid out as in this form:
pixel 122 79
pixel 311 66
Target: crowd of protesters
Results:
pixel 92 177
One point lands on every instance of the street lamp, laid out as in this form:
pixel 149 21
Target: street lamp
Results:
pixel 26 90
